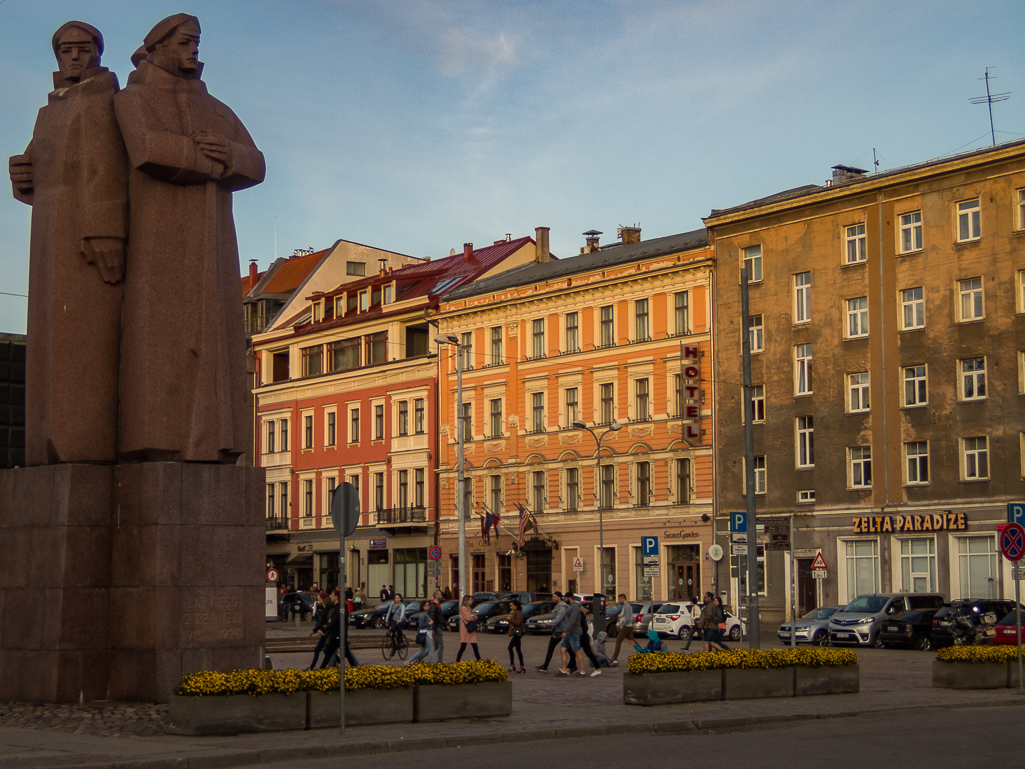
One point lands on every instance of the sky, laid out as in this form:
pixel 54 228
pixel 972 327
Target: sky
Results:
pixel 419 125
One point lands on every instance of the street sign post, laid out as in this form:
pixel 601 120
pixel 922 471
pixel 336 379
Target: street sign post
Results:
pixel 434 553
pixel 649 546
pixel 739 549
pixel 819 563
pixel 345 517
pixel 819 574
pixel 1012 546
pixel 578 565
pixel 1016 512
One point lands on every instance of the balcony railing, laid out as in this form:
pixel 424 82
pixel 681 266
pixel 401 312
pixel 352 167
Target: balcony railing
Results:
pixel 277 523
pixel 390 516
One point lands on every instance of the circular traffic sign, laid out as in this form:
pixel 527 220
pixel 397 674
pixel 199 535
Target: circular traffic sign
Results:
pixel 434 553
pixel 715 552
pixel 272 575
pixel 1012 542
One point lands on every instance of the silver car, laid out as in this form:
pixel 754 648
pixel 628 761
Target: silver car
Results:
pixel 812 628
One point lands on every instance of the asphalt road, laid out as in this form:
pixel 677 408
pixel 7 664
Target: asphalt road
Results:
pixel 964 738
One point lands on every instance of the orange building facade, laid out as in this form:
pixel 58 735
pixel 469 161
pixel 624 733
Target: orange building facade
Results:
pixel 617 338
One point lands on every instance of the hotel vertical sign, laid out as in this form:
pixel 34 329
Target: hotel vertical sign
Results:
pixel 690 386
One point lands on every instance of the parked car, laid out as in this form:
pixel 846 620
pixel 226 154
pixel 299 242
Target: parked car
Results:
pixel 859 621
pixel 483 612
pixel 525 597
pixel 642 612
pixel 908 628
pixel 735 629
pixel 369 618
pixel 943 622
pixel 673 619
pixel 812 628
pixel 481 597
pixel 291 604
pixel 1007 628
pixel 499 623
pixel 448 608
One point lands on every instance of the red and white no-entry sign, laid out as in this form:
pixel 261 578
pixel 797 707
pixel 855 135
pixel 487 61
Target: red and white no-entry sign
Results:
pixel 272 575
pixel 1012 541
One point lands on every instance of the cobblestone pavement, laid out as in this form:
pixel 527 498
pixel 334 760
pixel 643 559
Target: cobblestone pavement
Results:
pixel 100 719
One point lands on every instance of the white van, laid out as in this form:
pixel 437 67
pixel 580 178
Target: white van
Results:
pixel 859 621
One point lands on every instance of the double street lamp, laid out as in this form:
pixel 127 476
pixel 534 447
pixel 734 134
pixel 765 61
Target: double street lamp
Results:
pixel 598 438
pixel 452 339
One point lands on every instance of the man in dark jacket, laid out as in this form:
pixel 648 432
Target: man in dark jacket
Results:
pixel 435 613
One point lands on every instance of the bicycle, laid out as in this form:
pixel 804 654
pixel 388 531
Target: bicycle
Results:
pixel 394 642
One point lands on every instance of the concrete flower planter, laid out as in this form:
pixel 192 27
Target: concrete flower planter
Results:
pixel 672 688
pixel 236 714
pixel 738 684
pixel 970 675
pixel 843 679
pixel 362 707
pixel 440 703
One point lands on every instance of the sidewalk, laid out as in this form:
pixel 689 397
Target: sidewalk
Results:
pixel 544 707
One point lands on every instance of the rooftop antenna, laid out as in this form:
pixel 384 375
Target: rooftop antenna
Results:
pixel 989 98
pixel 875 160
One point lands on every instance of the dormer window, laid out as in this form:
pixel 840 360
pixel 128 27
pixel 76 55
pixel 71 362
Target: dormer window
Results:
pixel 339 306
pixel 316 312
pixel 386 299
pixel 364 301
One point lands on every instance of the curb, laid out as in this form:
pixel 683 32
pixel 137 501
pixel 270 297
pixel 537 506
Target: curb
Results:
pixel 270 755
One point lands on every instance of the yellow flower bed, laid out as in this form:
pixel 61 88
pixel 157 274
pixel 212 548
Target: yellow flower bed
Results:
pixel 670 662
pixel 977 653
pixel 259 682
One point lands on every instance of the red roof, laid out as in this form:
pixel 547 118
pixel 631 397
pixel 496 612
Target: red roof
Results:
pixel 248 282
pixel 290 275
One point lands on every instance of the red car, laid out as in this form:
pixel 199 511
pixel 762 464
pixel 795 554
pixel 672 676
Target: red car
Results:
pixel 1007 629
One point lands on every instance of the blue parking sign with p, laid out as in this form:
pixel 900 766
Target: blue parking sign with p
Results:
pixel 649 545
pixel 738 522
pixel 1016 512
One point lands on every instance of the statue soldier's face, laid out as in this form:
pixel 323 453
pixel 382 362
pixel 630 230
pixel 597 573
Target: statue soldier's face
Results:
pixel 183 47
pixel 76 52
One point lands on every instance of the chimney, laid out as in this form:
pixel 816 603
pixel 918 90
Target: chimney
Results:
pixel 843 174
pixel 629 234
pixel 253 272
pixel 592 241
pixel 467 251
pixel 541 253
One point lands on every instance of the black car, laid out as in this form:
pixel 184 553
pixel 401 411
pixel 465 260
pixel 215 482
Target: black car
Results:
pixel 499 623
pixel 483 612
pixel 302 604
pixel 369 618
pixel 973 611
pixel 448 608
pixel 908 628
pixel 479 598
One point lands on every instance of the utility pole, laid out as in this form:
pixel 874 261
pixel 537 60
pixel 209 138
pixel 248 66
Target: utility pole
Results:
pixel 753 627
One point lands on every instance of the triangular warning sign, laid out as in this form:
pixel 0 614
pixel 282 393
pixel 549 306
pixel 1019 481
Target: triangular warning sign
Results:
pixel 819 562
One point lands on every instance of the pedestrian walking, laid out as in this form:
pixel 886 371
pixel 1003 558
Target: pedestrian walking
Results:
pixel 709 624
pixel 585 645
pixel 319 617
pixel 357 599
pixel 516 631
pixel 720 617
pixel 438 616
pixel 447 595
pixel 694 609
pixel 558 625
pixel 570 645
pixel 626 627
pixel 424 634
pixel 332 630
pixel 467 628
pixel 384 593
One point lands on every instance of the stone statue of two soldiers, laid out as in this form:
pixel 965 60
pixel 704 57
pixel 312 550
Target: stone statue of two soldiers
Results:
pixel 136 348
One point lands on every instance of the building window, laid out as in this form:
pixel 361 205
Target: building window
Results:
pixel 343 355
pixel 467 497
pixel 915 391
pixel 642 408
pixel 858 392
pixel 572 332
pixel 911 232
pixel 756 333
pixel 354 482
pixel 912 308
pixel 682 302
pixel 643 471
pixel 857 317
pixel 537 486
pixel 969 220
pixel 977 567
pixel 683 481
pixel 379 422
pixel 861 562
pixel 608 486
pixel 307 499
pixel 308 431
pixel 975 458
pixel 973 379
pixel 860 467
pixel 269 448
pixel 1020 290
pixel 1019 211
pixel 467 422
pixel 283 499
pixel 496 346
pixel 354 425
pixel 802 369
pixel 678 395
pixel 311 360
pixel 419 488
pixel 855 244
pixel 572 488
pixel 802 297
pixel 496 417
pixel 537 412
pixel 757 403
pixel 806 497
pixel 642 328
pixel 537 339
pixel 403 420
pixel 466 350
pixel 283 434
pixel 759 466
pixel 970 295
pixel 496 493
pixel 753 263
pixel 916 455
pixel 270 500
pixel 805 427
pixel 364 301
pixel 378 491
pixel 355 268
pixel 329 428
pixel 378 347
pixel 607 403
pixel 403 489
pixel 419 416
pixel 607 326
pixel 572 406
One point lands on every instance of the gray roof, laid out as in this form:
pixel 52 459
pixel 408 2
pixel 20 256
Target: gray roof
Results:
pixel 609 256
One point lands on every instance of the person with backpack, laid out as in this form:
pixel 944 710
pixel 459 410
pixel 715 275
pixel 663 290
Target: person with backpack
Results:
pixel 467 628
pixel 709 624
pixel 558 626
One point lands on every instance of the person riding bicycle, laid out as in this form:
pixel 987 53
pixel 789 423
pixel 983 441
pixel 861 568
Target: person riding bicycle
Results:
pixel 395 617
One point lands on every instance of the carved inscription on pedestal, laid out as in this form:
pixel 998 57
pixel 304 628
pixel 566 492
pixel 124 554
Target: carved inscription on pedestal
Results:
pixel 211 619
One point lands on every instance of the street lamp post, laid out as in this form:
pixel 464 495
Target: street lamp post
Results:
pixel 453 340
pixel 614 427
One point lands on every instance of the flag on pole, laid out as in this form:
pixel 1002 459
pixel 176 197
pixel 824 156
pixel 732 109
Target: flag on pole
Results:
pixel 486 527
pixel 494 522
pixel 526 522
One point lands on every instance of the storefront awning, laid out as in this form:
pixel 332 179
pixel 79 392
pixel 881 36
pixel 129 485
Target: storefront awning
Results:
pixel 300 561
